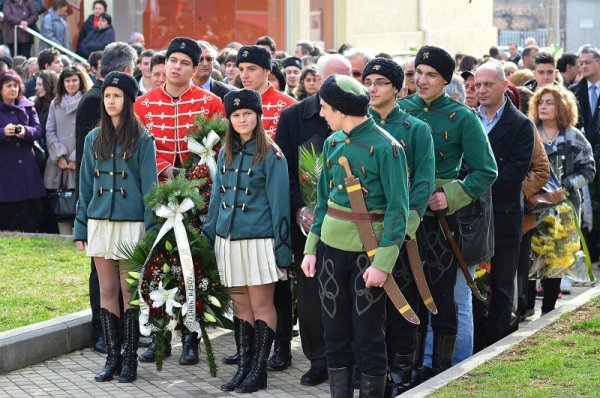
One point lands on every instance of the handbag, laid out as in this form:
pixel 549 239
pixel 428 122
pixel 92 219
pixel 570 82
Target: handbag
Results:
pixel 550 195
pixel 63 201
pixel 476 222
pixel 40 156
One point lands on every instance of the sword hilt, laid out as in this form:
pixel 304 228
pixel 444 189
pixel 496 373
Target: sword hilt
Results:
pixel 343 161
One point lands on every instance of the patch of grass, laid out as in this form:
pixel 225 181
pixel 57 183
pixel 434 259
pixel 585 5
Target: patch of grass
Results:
pixel 40 278
pixel 562 360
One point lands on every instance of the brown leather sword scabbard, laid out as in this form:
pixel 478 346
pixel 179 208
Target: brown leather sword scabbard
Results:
pixel 367 236
pixel 416 267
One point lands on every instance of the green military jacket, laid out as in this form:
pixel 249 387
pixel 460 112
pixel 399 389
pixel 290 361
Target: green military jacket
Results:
pixel 114 189
pixel 457 135
pixel 415 137
pixel 379 162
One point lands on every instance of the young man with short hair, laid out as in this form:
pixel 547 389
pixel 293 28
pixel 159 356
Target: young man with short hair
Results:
pixel 48 59
pixel 544 72
pixel 168 112
pixel 145 84
pixel 157 70
pixel 568 68
pixel 384 79
pixel 292 67
pixel 254 63
pixel 352 299
pixel 458 138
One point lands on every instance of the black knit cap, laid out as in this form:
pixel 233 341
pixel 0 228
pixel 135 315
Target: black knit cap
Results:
pixel 385 67
pixel 242 99
pixel 254 55
pixel 345 94
pixel 293 61
pixel 7 60
pixel 439 59
pixel 123 81
pixel 186 46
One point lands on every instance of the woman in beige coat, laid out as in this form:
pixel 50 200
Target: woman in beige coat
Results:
pixel 60 134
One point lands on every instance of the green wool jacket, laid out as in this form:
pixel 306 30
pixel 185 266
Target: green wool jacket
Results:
pixel 252 201
pixel 415 137
pixel 378 160
pixel 114 189
pixel 457 135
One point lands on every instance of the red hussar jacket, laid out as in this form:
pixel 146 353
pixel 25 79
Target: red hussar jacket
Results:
pixel 169 120
pixel 273 102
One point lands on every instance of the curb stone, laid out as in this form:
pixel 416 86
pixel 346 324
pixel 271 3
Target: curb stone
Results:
pixel 35 343
pixel 501 346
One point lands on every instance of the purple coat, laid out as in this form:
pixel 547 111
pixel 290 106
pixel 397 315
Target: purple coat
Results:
pixel 20 177
pixel 13 15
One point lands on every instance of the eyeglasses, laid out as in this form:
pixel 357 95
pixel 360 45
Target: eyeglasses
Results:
pixel 588 62
pixel 376 83
pixel 356 73
pixel 409 74
pixel 207 59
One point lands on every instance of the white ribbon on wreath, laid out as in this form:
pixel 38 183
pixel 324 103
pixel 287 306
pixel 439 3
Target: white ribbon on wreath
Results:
pixel 173 213
pixel 205 151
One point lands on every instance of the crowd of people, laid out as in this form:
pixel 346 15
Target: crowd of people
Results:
pixel 443 145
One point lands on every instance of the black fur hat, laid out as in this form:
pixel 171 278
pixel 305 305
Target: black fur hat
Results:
pixel 242 99
pixel 187 46
pixel 345 94
pixel 385 67
pixel 254 55
pixel 439 59
pixel 293 61
pixel 123 81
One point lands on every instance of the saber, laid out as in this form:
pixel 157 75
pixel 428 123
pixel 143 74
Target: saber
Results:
pixel 416 267
pixel 365 230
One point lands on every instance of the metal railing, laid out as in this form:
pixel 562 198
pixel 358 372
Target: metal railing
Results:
pixel 50 42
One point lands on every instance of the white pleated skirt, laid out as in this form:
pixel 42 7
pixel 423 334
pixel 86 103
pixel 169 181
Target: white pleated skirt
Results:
pixel 247 262
pixel 105 237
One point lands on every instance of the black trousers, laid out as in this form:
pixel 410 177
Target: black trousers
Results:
pixel 283 307
pixel 401 334
pixel 20 216
pixel 504 268
pixel 551 290
pixel 440 273
pixel 354 316
pixel 310 322
pixel 23 49
pixel 523 271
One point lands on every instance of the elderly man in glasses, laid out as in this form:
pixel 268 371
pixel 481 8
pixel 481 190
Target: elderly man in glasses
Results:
pixel 202 78
pixel 358 58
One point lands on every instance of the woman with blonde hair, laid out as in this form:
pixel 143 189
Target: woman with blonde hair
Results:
pixel 553 109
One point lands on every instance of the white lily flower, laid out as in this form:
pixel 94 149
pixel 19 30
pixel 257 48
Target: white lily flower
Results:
pixel 184 308
pixel 172 324
pixel 213 300
pixel 162 297
pixel 209 318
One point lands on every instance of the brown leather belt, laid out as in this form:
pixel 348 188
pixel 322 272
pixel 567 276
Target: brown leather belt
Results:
pixel 354 217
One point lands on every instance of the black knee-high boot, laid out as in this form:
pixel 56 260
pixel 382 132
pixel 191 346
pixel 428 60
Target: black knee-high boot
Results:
pixel 371 386
pixel 341 382
pixel 110 329
pixel 245 349
pixel 130 347
pixel 417 374
pixel 233 358
pixel 400 374
pixel 257 378
pixel 443 352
